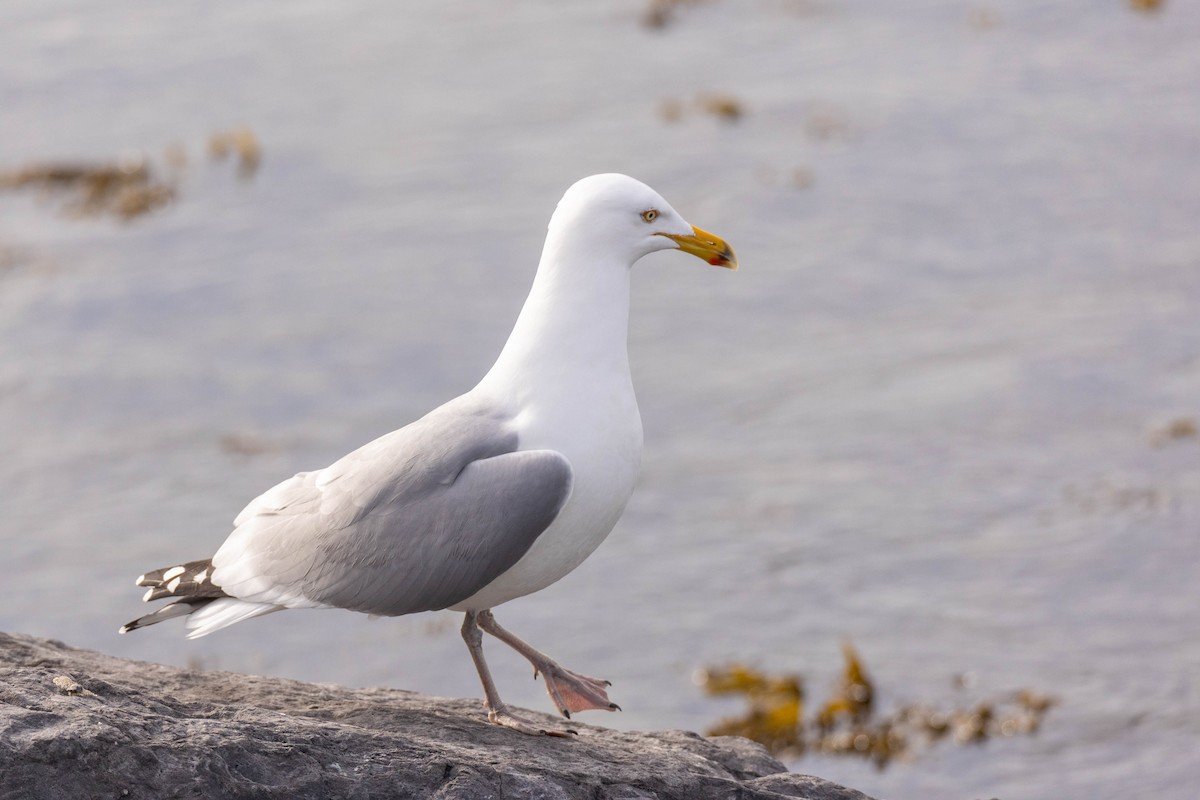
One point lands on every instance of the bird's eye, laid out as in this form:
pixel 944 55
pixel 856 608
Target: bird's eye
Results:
pixel 649 215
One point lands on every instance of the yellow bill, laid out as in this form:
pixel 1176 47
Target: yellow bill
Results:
pixel 707 246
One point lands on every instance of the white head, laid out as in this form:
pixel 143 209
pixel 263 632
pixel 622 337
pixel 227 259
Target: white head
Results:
pixel 615 211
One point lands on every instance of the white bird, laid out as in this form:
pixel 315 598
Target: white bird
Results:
pixel 492 496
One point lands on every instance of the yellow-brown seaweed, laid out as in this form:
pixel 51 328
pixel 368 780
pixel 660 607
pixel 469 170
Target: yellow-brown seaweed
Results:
pixel 847 723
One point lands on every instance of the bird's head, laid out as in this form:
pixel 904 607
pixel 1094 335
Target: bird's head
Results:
pixel 620 211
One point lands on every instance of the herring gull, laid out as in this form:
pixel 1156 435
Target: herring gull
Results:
pixel 492 496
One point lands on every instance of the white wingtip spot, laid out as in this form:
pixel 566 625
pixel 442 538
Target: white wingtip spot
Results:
pixel 147 595
pixel 172 572
pixel 173 585
pixel 141 580
pixel 200 578
pixel 124 629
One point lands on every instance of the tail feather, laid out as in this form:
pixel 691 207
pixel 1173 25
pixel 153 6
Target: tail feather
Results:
pixel 190 583
pixel 179 608
pixel 193 579
pixel 222 612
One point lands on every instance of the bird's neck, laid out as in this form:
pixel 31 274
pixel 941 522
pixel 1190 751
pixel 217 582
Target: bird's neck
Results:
pixel 574 326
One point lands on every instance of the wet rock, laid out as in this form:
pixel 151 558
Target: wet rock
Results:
pixel 117 728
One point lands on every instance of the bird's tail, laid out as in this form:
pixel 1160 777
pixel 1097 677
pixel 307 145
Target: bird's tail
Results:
pixel 191 583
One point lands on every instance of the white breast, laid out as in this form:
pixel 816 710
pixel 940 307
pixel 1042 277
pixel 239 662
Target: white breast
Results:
pixel 602 438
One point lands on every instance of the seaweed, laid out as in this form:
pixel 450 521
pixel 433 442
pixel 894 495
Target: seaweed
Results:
pixel 661 13
pixel 131 186
pixel 1174 431
pixel 848 722
pixel 1146 6
pixel 722 105
pixel 127 188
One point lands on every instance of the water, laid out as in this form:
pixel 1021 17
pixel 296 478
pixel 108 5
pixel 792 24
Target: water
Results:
pixel 921 417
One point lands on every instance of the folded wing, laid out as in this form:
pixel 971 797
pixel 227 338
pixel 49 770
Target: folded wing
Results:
pixel 417 520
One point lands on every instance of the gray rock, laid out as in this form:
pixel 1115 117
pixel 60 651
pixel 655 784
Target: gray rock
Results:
pixel 74 723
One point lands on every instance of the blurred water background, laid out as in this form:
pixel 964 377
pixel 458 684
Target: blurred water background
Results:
pixel 931 414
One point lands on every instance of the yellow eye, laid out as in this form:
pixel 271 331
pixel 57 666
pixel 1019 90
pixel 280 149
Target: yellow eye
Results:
pixel 650 215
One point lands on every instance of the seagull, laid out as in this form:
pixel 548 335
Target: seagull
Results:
pixel 492 496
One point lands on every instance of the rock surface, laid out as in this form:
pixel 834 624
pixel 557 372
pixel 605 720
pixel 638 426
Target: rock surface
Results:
pixel 74 723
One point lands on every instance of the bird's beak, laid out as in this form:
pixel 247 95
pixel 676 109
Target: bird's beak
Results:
pixel 706 246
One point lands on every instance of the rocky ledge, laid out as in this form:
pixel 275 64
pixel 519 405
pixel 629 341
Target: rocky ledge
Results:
pixel 74 723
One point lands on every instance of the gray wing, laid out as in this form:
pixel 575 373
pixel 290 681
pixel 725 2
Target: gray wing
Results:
pixel 417 520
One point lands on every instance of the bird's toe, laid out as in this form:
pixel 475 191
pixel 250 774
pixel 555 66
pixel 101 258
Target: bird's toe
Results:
pixel 507 718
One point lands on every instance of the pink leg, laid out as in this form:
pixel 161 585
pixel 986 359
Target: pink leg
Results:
pixel 569 691
pixel 498 712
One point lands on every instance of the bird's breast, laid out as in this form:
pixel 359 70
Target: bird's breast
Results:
pixel 601 437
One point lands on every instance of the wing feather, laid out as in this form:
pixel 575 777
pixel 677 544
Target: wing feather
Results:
pixel 416 520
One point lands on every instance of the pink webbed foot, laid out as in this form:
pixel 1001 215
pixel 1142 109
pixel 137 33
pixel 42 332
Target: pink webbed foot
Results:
pixel 571 692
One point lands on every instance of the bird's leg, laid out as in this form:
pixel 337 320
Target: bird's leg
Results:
pixel 569 690
pixel 498 712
